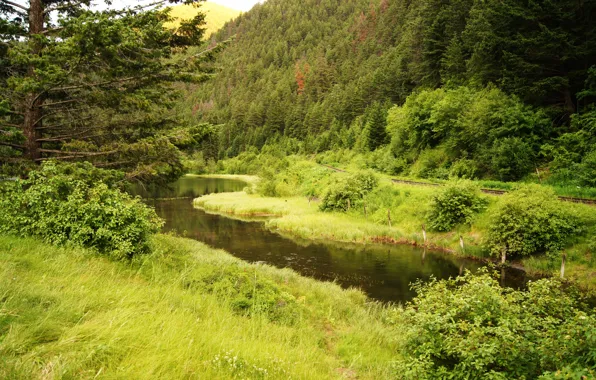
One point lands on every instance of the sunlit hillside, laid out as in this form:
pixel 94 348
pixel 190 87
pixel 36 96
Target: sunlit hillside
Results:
pixel 217 15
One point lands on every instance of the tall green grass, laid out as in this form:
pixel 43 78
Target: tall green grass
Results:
pixel 186 311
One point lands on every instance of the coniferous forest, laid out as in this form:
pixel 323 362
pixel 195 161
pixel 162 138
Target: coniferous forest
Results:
pixel 319 189
pixel 490 89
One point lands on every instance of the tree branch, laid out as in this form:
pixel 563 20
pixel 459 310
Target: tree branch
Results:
pixel 14 146
pixel 11 125
pixel 16 6
pixel 51 30
pixel 67 88
pixel 79 154
pixel 64 137
pixel 111 164
pixel 58 103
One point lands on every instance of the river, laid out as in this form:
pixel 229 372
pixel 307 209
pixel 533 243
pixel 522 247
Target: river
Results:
pixel 383 272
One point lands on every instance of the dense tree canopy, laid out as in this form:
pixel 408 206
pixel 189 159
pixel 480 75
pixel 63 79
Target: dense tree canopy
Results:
pixel 82 84
pixel 313 70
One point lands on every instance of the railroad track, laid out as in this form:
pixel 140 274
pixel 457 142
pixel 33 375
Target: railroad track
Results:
pixel 591 202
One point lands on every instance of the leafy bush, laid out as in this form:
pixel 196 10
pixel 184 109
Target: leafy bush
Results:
pixel 467 169
pixel 348 191
pixel 454 205
pixel 248 293
pixel 587 170
pixel 80 205
pixel 531 220
pixel 472 328
pixel 510 159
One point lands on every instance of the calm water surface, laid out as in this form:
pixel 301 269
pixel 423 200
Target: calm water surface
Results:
pixel 383 272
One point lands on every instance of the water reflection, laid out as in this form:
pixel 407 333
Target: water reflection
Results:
pixel 384 272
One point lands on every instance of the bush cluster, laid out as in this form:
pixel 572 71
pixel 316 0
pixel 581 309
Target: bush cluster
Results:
pixel 248 293
pixel 456 204
pixel 531 220
pixel 472 328
pixel 349 191
pixel 79 205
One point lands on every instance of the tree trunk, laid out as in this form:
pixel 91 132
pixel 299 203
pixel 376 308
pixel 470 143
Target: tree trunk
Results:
pixel 33 112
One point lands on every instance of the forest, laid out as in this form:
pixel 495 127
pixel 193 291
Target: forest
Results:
pixel 494 90
pixel 317 189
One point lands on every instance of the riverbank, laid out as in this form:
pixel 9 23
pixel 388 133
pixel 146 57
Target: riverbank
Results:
pixel 301 218
pixel 184 311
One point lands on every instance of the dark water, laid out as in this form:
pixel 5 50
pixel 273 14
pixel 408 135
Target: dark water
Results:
pixel 383 272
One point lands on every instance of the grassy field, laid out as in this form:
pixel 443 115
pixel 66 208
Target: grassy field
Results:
pixel 407 205
pixel 186 311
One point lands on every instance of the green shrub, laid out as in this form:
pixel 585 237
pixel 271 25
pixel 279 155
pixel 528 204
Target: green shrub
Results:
pixel 73 204
pixel 348 191
pixel 587 170
pixel 531 220
pixel 456 204
pixel 248 293
pixel 472 328
pixel 510 159
pixel 467 169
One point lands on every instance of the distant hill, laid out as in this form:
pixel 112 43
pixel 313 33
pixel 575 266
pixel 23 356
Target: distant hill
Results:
pixel 217 15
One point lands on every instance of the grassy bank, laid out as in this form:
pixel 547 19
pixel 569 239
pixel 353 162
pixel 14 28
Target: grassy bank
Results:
pixel 407 206
pixel 299 217
pixel 186 311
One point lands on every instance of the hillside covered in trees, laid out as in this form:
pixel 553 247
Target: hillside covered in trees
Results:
pixel 430 88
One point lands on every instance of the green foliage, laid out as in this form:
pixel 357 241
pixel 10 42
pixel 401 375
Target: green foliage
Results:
pixel 531 220
pixel 454 205
pixel 510 158
pixel 348 192
pixel 75 204
pixel 479 133
pixel 587 170
pixel 97 85
pixel 248 293
pixel 318 79
pixel 471 328
pixel 376 135
pixel 467 169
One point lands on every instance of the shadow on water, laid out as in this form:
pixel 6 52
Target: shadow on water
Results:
pixel 383 272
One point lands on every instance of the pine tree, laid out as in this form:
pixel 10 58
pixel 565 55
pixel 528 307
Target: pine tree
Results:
pixel 376 127
pixel 93 85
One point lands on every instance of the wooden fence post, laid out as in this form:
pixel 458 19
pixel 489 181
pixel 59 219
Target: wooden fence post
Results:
pixel 365 213
pixel 389 217
pixel 461 244
pixel 349 204
pixel 424 233
pixel 503 256
pixel 563 266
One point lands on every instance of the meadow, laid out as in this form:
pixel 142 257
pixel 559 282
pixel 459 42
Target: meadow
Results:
pixel 185 311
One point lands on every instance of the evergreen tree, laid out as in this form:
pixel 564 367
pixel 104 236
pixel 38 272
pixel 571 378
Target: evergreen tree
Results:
pixel 376 132
pixel 79 84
